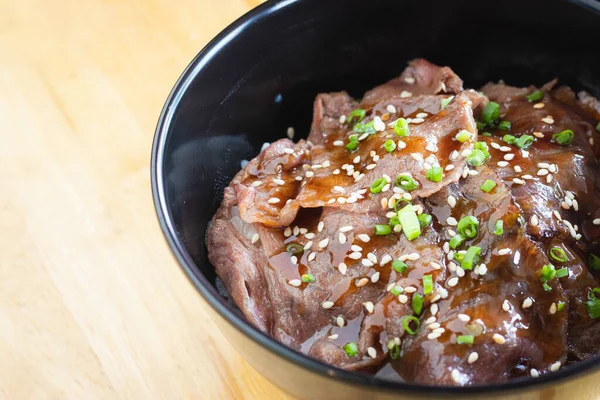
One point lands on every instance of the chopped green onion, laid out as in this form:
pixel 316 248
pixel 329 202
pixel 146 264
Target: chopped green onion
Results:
pixel 352 143
pixel 399 266
pixel 548 273
pixel 499 227
pixel 308 278
pixel 445 102
pixel 401 127
pixel 465 339
pixel 471 258
pixel 480 125
pixel 424 219
pixel 358 114
pixel 593 303
pixel 389 145
pixel 434 174
pixel 524 141
pixel 491 112
pixel 535 96
pixel 394 221
pixel 484 148
pixel 457 240
pixel 558 254
pixel 351 349
pixel 463 136
pixel 510 139
pixel 504 125
pixel 594 262
pixel 467 226
pixel 485 133
pixel 560 306
pixel 598 127
pixel 369 128
pixel 476 158
pixel 406 320
pixel 382 230
pixel 417 303
pixel 397 290
pixel 394 350
pixel 378 185
pixel 488 185
pixel 459 256
pixel 564 138
pixel 427 284
pixel 546 287
pixel 400 202
pixel 410 222
pixel 406 182
pixel 561 273
pixel 294 248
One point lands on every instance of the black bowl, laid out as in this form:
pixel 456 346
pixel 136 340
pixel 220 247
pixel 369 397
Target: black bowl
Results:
pixel 260 76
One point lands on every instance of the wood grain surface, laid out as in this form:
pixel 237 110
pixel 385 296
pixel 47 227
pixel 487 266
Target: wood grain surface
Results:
pixel 92 304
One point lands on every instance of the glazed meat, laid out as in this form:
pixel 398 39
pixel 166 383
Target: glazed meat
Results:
pixel 426 233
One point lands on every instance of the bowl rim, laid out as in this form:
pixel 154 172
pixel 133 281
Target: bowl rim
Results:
pixel 211 296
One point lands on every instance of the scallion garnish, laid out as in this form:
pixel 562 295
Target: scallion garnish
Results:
pixel 308 278
pixel 558 254
pixel 434 174
pixel 389 145
pixel 463 136
pixel 465 339
pixel 488 185
pixel 484 148
pixel 406 182
pixel 294 248
pixel 459 256
pixel 485 134
pixel 406 320
pixel 598 127
pixel 510 139
pixel 358 115
pixel 397 290
pixel 471 258
pixel 548 273
pixel 424 219
pixel 401 127
pixel 394 350
pixel 394 221
pixel 410 222
pixel 546 287
pixel 352 143
pixel 351 349
pixel 369 128
pixel 417 303
pixel 535 96
pixel 445 102
pixel 564 138
pixel 524 141
pixel 378 185
pixel 427 284
pixel 480 125
pixel 476 158
pixel 457 240
pixel 382 230
pixel 467 226
pixel 499 227
pixel 562 272
pixel 594 262
pixel 491 112
pixel 560 306
pixel 593 303
pixel 399 266
pixel 504 125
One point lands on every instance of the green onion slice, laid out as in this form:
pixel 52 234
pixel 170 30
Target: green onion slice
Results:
pixel 399 266
pixel 491 112
pixel 594 262
pixel 351 349
pixel 417 303
pixel 378 185
pixel 406 182
pixel 593 303
pixel 535 96
pixel 471 258
pixel 397 290
pixel 352 143
pixel 558 254
pixel 308 278
pixel 561 273
pixel 483 147
pixel 382 230
pixel 457 240
pixel 465 339
pixel 476 158
pixel 488 185
pixel 445 102
pixel 434 174
pixel 294 248
pixel 468 226
pixel 369 128
pixel 427 284
pixel 358 115
pixel 463 136
pixel 499 227
pixel 394 221
pixel 406 320
pixel 510 139
pixel 524 141
pixel 546 287
pixel 564 138
pixel 410 222
pixel 401 127
pixel 389 145
pixel 598 127
pixel 560 306
pixel 504 125
pixel 424 219
pixel 394 351
pixel 548 273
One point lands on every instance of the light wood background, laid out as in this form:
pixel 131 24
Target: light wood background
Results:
pixel 92 305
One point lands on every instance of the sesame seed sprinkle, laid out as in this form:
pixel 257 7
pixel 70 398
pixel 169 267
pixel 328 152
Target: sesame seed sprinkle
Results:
pixel 474 356
pixel 256 183
pixel 340 321
pixel 534 221
pixel 433 336
pixel 366 262
pixel 308 245
pixel 273 200
pixel 342 238
pixel 539 105
pixel 323 243
pixel 320 226
pixel 555 367
pixel 506 305
pixel 528 302
pixel 295 282
pixel 312 256
pixel 342 268
pixel 338 143
pixel 327 304
pixel 455 376
pixel 369 307
pixel 385 259
pixel 391 109
pixel 534 373
pixel 452 281
pixel 375 277
pixel 403 298
pixel 372 352
pixel 464 317
pixel 363 237
pixel 362 282
pixel 451 221
pixel 499 338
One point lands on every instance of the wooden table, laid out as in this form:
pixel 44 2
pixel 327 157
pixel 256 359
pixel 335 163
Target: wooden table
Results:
pixel 92 304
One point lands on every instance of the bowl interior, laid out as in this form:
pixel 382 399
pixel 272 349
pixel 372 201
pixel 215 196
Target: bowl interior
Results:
pixel 260 76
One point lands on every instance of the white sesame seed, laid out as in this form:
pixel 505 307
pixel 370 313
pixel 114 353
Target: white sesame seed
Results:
pixel 409 79
pixel 372 352
pixel 506 305
pixel 452 281
pixel 309 235
pixel 356 248
pixel 320 226
pixel 542 172
pixel 539 105
pixel 528 302
pixel 327 304
pixel 473 357
pixel 433 325
pixel 333 337
pixel 342 267
pixel 517 169
pixel 505 149
pixel 434 309
pixel 255 238
pixel 369 307
pixel 460 272
pixel 309 174
pixel 575 205
pixel 534 373
pixel 256 183
pixel 363 137
pixel 451 221
pixel 363 237
pixel 534 221
pixel 446 247
pixel 375 277
pixel 417 156
pixel 596 221
pixel 413 257
pixel 323 243
pixel 366 262
pixel 403 298
pixel 552 309
pixel 449 167
pixel 295 282
pixel 464 317
pixel 362 282
pixel 555 367
pixel 452 266
pixel 466 153
pixel 342 119
pixel 372 258
pixel 451 201
pixel 355 255
pixel 385 259
pixel 455 376
pixel 338 143
pixel 435 265
pixel 356 160
pixel 308 245
pixel 517 257
pixel 287 150
pixel 273 200
pixel 454 155
pixel 312 256
pixel 294 259
pixel 549 120
pixel 405 94
pixel 296 230
pixel 342 238
pixel 340 321
pixel 499 338
pixel 336 171
pixel 439 330
pixel 509 157
pixel 503 252
pixel 433 336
